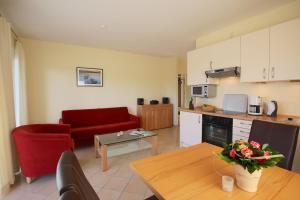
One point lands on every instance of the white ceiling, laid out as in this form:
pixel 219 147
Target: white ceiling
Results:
pixel 157 27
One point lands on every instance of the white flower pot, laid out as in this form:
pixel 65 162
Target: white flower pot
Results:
pixel 245 180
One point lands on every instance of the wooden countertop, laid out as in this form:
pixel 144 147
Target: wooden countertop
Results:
pixel 279 119
pixel 194 173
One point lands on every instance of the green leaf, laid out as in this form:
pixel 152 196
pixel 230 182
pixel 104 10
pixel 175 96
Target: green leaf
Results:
pixel 226 159
pixel 264 146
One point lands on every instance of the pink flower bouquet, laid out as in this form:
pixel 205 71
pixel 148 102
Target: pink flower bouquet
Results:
pixel 250 155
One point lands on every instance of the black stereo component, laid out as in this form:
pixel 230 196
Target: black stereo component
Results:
pixel 140 101
pixel 154 102
pixel 165 100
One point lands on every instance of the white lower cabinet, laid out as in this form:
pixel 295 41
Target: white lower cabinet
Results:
pixel 190 129
pixel 241 130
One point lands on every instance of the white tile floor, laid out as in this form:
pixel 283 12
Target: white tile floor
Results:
pixel 118 183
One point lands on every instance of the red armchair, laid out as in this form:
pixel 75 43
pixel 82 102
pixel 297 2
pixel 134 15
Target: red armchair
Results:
pixel 39 147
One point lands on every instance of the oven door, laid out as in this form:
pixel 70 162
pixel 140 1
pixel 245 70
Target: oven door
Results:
pixel 197 91
pixel 216 134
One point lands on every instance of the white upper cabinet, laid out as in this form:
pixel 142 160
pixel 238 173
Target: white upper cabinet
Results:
pixel 226 53
pixel 285 51
pixel 198 61
pixel 255 56
pixel 220 55
pixel 271 54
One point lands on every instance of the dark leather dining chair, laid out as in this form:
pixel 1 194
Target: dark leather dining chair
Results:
pixel 70 195
pixel 71 181
pixel 70 177
pixel 281 137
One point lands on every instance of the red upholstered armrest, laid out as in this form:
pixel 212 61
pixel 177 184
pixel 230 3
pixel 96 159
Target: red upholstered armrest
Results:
pixel 40 142
pixel 135 118
pixel 51 128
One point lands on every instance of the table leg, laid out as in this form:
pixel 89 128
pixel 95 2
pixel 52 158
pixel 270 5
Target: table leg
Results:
pixel 96 144
pixel 104 157
pixel 154 145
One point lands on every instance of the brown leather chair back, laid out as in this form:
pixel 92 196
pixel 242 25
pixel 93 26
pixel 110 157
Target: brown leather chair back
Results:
pixel 70 195
pixel 281 137
pixel 70 177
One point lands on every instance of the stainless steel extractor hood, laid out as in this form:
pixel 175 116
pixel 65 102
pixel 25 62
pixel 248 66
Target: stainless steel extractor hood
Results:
pixel 224 72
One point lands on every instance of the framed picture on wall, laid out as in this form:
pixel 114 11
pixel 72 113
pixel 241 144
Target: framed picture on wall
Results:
pixel 89 77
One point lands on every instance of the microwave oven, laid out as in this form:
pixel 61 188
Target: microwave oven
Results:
pixel 204 91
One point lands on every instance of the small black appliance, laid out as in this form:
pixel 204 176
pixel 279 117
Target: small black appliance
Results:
pixel 154 102
pixel 140 101
pixel 165 100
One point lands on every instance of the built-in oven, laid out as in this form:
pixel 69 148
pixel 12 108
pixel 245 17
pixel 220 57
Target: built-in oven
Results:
pixel 216 130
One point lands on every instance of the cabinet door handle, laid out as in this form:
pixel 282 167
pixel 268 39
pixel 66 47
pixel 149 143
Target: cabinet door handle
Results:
pixel 273 72
pixel 264 73
pixel 242 123
pixel 199 119
pixel 243 132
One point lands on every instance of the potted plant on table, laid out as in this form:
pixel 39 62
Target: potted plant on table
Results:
pixel 249 159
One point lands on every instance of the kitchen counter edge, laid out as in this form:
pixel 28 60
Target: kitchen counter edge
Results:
pixel 279 119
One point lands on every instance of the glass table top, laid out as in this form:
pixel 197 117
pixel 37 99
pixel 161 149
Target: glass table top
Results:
pixel 123 136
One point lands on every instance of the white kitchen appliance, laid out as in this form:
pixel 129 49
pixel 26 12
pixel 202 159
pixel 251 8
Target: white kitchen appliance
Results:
pixel 204 91
pixel 272 109
pixel 255 105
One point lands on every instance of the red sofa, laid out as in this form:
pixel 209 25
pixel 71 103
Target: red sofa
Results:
pixel 39 147
pixel 88 122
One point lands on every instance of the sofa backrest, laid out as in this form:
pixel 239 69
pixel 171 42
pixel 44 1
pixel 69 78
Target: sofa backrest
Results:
pixel 94 117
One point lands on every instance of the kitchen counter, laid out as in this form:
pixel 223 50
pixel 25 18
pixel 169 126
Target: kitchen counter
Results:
pixel 244 116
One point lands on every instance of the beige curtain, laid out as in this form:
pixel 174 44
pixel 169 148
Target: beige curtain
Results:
pixel 7 121
pixel 20 93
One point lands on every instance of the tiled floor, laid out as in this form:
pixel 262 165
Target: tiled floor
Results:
pixel 119 182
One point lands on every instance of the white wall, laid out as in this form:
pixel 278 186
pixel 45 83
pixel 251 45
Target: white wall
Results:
pixel 51 77
pixel 287 94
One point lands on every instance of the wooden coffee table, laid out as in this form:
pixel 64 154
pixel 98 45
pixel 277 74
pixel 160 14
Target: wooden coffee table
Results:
pixel 101 142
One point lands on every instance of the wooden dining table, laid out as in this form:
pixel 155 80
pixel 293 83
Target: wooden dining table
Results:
pixel 195 173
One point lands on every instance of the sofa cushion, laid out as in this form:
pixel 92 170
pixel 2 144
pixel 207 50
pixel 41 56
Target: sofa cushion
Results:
pixel 94 117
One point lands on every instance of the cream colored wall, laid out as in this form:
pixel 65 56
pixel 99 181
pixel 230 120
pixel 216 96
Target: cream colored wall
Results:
pixel 286 93
pixel 272 17
pixel 51 77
